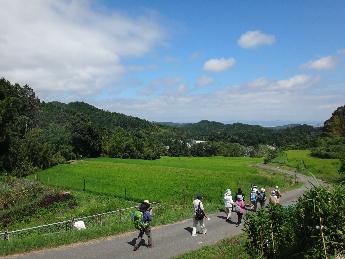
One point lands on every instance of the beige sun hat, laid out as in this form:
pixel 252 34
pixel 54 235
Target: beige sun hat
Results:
pixel 147 201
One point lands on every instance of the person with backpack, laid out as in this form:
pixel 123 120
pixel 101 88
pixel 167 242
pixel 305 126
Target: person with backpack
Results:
pixel 273 198
pixel 199 215
pixel 142 219
pixel 253 197
pixel 228 202
pixel 239 209
pixel 262 197
pixel 277 192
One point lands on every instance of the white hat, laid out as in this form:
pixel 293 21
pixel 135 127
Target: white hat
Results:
pixel 146 201
pixel 262 189
pixel 276 186
pixel 227 192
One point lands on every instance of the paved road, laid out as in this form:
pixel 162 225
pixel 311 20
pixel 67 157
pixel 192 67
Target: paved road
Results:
pixel 169 240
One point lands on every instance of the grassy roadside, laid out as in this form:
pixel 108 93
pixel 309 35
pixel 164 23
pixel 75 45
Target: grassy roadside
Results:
pixel 231 248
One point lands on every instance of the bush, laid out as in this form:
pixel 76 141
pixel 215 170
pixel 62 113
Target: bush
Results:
pixel 314 227
pixel 21 197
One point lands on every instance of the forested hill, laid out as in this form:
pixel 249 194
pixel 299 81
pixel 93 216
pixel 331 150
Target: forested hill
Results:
pixel 294 135
pixel 336 124
pixel 61 113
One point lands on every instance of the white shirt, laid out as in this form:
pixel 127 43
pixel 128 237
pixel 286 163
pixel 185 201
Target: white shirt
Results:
pixel 228 201
pixel 196 204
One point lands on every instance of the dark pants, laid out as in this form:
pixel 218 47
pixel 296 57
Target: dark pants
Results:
pixel 146 231
pixel 239 216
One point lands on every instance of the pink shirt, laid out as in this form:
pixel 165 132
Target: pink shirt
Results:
pixel 242 206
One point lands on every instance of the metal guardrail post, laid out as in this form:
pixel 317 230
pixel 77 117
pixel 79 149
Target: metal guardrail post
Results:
pixel 6 235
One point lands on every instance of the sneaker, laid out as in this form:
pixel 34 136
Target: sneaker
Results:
pixel 205 231
pixel 194 235
pixel 149 246
pixel 135 248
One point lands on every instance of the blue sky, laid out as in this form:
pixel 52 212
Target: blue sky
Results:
pixel 266 62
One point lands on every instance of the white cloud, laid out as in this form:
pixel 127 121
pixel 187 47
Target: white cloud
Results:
pixel 290 99
pixel 293 82
pixel 66 46
pixel 253 39
pixel 204 81
pixel 323 63
pixel 219 65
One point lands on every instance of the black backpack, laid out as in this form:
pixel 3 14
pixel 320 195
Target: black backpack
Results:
pixel 199 213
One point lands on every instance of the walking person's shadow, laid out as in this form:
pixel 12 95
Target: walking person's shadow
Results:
pixel 189 229
pixel 228 221
pixel 134 240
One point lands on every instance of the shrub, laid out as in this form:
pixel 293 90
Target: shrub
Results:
pixel 21 197
pixel 314 227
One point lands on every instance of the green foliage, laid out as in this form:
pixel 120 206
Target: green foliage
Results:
pixel 272 154
pixel 335 126
pixel 86 141
pixel 329 147
pixel 19 113
pixel 136 145
pixel 20 197
pixel 314 227
pixel 269 232
pixel 292 136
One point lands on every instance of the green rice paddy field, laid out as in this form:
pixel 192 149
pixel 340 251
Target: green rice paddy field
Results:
pixel 169 179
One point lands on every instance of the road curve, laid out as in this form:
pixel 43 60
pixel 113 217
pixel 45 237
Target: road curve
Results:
pixel 169 240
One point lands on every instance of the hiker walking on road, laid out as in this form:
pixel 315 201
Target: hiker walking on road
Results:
pixel 239 195
pixel 254 197
pixel 277 192
pixel 142 219
pixel 262 197
pixel 199 215
pixel 273 198
pixel 239 209
pixel 228 203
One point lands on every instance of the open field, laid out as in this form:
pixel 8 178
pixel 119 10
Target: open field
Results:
pixel 172 180
pixel 325 169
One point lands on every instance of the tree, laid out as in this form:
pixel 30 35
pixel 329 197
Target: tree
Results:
pixel 85 139
pixel 19 113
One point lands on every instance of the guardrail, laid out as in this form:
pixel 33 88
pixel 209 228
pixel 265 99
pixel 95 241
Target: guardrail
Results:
pixel 67 224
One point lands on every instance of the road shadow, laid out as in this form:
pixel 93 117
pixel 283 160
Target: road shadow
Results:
pixel 228 221
pixel 134 240
pixel 189 229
